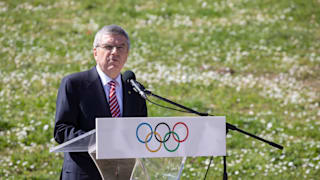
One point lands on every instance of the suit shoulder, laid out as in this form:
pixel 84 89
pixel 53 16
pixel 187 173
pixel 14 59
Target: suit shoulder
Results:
pixel 78 77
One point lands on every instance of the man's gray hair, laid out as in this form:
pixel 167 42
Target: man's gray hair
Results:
pixel 111 29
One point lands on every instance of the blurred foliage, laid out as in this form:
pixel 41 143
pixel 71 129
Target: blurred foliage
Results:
pixel 255 62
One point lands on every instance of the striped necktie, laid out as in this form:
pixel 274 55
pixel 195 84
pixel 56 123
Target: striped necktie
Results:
pixel 113 103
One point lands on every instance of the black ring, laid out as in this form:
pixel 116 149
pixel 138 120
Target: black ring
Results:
pixel 165 140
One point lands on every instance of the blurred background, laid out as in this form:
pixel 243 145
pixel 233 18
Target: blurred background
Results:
pixel 255 62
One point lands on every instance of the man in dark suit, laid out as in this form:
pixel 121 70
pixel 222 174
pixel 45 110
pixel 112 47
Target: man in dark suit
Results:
pixel 98 92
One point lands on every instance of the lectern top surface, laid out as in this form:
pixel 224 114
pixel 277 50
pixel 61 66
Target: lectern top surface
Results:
pixel 81 143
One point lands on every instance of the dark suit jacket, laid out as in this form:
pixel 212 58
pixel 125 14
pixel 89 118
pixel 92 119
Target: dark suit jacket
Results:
pixel 81 98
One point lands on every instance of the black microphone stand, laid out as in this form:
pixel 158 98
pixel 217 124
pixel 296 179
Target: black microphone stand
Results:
pixel 228 127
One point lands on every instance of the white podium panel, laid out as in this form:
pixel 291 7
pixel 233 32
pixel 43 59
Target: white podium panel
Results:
pixel 160 137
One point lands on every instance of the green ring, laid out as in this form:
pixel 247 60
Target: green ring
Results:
pixel 164 143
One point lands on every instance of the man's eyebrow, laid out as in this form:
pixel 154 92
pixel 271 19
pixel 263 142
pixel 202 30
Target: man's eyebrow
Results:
pixel 109 44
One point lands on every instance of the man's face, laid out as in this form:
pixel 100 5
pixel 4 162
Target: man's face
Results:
pixel 112 54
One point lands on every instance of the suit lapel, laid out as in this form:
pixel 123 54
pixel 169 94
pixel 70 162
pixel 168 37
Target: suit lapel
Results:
pixel 126 91
pixel 97 93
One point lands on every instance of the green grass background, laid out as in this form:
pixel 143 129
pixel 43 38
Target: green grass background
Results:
pixel 255 62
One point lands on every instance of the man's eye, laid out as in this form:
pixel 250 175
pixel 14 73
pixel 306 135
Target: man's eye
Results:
pixel 109 47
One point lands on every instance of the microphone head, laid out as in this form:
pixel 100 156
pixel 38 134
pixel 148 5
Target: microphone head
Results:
pixel 128 75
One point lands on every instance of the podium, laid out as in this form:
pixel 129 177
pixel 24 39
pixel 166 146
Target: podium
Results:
pixel 134 169
pixel 115 148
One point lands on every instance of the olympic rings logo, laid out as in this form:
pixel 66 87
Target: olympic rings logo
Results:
pixel 158 137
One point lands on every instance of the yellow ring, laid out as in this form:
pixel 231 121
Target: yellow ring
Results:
pixel 147 141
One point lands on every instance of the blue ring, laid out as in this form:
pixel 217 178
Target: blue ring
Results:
pixel 144 123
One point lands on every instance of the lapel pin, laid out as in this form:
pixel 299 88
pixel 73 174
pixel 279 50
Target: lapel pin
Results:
pixel 129 92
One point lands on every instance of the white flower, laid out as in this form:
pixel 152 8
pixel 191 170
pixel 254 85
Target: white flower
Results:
pixel 45 127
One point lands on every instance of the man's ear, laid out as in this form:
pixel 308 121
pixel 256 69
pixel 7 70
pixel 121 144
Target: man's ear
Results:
pixel 94 52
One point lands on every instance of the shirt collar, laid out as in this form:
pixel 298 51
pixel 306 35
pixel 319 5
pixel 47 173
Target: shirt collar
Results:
pixel 105 78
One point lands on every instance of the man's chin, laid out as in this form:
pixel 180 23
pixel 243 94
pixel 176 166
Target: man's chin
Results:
pixel 114 70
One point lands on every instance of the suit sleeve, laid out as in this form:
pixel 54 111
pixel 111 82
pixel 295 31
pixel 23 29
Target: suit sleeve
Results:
pixel 67 112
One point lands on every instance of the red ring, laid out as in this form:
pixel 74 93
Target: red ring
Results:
pixel 187 132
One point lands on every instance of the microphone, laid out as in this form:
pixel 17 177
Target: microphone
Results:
pixel 130 78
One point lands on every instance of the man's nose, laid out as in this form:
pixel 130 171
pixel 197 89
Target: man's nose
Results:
pixel 114 50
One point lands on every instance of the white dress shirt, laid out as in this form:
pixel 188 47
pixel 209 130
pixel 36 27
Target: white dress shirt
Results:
pixel 104 80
